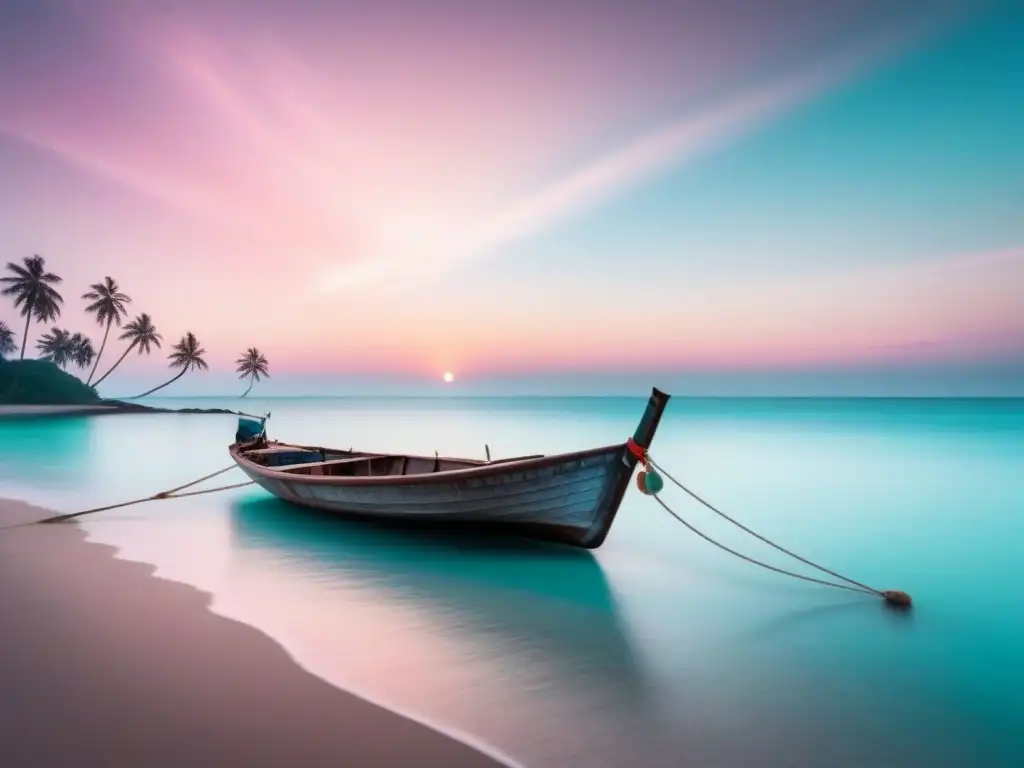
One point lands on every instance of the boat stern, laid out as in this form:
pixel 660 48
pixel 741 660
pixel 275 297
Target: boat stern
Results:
pixel 250 428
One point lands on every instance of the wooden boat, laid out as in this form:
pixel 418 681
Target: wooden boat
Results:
pixel 571 498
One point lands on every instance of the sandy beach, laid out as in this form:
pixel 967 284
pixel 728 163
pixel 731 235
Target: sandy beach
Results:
pixel 102 664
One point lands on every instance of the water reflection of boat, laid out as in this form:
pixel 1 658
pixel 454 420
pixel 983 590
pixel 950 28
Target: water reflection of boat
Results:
pixel 527 600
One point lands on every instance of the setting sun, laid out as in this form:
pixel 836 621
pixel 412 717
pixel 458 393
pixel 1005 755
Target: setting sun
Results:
pixel 448 377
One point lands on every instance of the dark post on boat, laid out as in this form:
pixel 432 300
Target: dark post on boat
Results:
pixel 619 481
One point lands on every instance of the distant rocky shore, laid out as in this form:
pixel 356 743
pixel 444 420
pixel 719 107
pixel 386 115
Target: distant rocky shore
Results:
pixel 121 406
pixel 40 388
pixel 101 408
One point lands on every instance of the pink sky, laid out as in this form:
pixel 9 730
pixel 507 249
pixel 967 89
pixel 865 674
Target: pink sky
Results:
pixel 366 187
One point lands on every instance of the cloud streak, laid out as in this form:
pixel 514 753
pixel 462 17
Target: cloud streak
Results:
pixel 298 150
pixel 961 308
pixel 254 120
pixel 622 169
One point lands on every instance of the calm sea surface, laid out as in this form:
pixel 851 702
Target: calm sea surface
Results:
pixel 655 650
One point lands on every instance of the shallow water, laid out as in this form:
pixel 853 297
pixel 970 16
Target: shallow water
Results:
pixel 655 650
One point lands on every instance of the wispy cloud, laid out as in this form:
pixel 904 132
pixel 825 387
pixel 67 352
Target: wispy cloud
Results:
pixel 620 170
pixel 328 145
pixel 260 124
pixel 959 307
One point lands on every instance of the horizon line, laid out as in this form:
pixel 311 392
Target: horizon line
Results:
pixel 589 397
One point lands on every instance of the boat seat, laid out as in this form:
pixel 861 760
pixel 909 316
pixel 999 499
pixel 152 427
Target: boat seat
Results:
pixel 331 463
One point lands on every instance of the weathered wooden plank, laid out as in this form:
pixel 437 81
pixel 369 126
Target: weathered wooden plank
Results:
pixel 571 497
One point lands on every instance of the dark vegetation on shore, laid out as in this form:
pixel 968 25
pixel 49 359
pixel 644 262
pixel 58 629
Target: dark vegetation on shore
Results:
pixel 41 382
pixel 34 292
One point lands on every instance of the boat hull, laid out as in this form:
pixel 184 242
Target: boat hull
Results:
pixel 568 501
pixel 570 498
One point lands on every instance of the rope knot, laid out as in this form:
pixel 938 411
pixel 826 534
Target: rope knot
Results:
pixel 638 451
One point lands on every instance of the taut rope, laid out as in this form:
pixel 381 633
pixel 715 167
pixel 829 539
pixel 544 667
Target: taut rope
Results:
pixel 892 596
pixel 758 562
pixel 172 493
pixel 854 582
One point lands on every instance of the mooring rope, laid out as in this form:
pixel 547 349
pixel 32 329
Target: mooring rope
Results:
pixel 194 482
pixel 172 493
pixel 264 417
pixel 740 555
pixel 755 534
pixel 206 490
pixel 892 596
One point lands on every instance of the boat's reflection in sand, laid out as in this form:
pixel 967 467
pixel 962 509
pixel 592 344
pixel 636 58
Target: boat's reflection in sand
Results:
pixel 527 602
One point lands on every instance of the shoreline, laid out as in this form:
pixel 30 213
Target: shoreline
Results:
pixel 148 674
pixel 102 408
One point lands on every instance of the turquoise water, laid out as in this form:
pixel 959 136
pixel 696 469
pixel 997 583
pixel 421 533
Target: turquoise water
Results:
pixel 656 650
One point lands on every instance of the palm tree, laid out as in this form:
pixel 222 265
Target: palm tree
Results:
pixel 186 354
pixel 56 346
pixel 7 345
pixel 252 365
pixel 82 352
pixel 109 306
pixel 32 288
pixel 143 336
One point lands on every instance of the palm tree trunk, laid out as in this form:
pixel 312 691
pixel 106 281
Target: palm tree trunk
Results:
pixel 154 389
pixel 251 382
pixel 24 338
pixel 119 361
pixel 99 354
pixel 24 341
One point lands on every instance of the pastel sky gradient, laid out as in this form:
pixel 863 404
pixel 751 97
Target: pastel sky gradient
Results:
pixel 719 197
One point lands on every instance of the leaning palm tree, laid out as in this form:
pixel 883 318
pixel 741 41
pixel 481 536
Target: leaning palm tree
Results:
pixel 7 345
pixel 252 365
pixel 57 347
pixel 143 336
pixel 109 306
pixel 32 288
pixel 187 355
pixel 82 352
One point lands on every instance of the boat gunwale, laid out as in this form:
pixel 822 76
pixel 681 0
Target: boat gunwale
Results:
pixel 453 475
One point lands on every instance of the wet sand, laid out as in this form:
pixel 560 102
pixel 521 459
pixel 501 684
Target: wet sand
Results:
pixel 102 664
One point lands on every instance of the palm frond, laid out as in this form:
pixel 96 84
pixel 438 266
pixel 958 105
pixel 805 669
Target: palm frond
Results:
pixel 142 333
pixel 56 346
pixel 8 345
pixel 32 288
pixel 81 350
pixel 252 364
pixel 109 305
pixel 188 354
